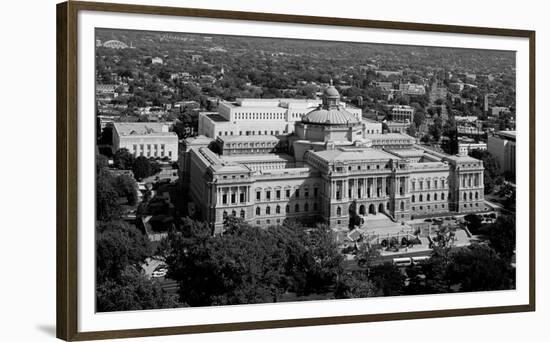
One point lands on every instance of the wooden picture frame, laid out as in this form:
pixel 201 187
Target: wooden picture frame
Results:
pixel 67 169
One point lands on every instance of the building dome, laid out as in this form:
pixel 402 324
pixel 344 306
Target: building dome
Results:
pixel 330 112
pixel 330 116
pixel 331 92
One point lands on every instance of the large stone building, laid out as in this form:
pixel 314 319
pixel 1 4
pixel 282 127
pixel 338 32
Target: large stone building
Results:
pixel 147 139
pixel 328 169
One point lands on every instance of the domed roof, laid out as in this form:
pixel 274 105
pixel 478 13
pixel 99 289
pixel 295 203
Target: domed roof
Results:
pixel 331 92
pixel 332 116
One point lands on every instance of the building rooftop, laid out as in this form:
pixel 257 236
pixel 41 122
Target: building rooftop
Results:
pixel 337 116
pixel 142 128
pixel 353 154
pixel 251 158
pixel 507 134
pixel 217 118
pixel 248 138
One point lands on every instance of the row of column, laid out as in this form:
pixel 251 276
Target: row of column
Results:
pixel 469 180
pixel 229 191
pixel 371 187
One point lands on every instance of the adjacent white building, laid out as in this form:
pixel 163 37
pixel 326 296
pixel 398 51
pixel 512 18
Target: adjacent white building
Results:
pixel 147 139
pixel 259 116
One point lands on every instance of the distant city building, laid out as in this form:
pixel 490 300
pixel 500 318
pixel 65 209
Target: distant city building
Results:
pixel 328 170
pixel 496 111
pixel 384 85
pixel 157 60
pixel 412 89
pixel 115 44
pixel 147 139
pixel 402 113
pixel 502 145
pixel 398 127
pixel 465 146
pixel 387 73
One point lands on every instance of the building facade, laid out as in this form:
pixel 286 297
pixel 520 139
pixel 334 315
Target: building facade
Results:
pixel 329 170
pixel 402 113
pixel 147 139
pixel 502 145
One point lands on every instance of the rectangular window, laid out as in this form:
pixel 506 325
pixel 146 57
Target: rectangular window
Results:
pixel 287 193
pixel 233 198
pixel 306 193
pixel 297 193
pixel 278 194
pixel 224 199
pixel 268 195
pixel 241 197
pixel 258 195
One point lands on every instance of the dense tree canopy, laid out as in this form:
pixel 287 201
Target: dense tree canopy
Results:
pixel 250 265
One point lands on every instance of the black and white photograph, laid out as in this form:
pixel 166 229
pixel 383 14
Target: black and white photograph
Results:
pixel 236 170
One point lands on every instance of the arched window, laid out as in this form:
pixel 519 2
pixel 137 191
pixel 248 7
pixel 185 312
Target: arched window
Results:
pixel 242 213
pixel 442 196
pixel 258 211
pixel 297 208
pixel 339 211
pixel 413 198
pixel 306 207
pixel 435 197
pixel 233 213
pixel 477 195
pixel 420 198
pixel 464 196
pixel 278 209
pixel 402 205
pixel 471 196
pixel 224 214
pixel 268 210
pixel 428 197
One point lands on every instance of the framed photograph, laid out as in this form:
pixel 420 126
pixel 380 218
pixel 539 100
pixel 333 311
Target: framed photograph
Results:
pixel 222 171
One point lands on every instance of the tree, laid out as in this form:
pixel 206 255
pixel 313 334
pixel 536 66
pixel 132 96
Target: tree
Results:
pixel 436 129
pixel 473 222
pixel 126 187
pixel 107 206
pixel 132 291
pixel 367 256
pixel 450 131
pixel 123 159
pixel 502 236
pixel 119 245
pixel 411 130
pixel 142 168
pixel 355 285
pixel 478 268
pixel 248 264
pixel 419 118
pixel 388 279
